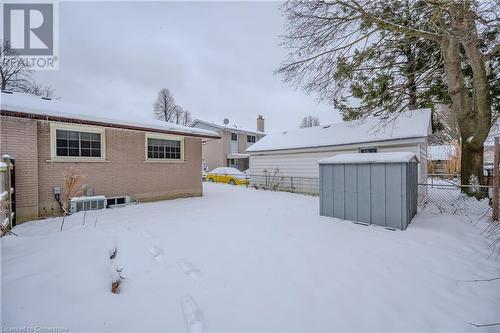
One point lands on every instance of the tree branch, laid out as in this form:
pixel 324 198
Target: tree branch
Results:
pixel 393 26
pixel 492 52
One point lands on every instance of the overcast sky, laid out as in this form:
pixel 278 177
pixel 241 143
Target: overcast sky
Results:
pixel 217 59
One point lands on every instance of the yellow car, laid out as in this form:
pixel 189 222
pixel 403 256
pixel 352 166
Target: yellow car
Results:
pixel 227 175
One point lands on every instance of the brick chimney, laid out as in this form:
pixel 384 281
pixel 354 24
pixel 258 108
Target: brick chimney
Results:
pixel 260 123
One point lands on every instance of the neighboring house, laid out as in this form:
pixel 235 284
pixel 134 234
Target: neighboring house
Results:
pixel 229 151
pixel 442 159
pixel 489 145
pixel 147 160
pixel 296 153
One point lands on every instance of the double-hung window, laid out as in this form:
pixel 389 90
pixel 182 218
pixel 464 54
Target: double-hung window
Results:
pixel 250 138
pixel 164 148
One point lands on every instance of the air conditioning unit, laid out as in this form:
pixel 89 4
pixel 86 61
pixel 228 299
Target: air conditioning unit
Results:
pixel 77 204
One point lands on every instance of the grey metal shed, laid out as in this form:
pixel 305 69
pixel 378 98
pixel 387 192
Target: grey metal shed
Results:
pixel 371 188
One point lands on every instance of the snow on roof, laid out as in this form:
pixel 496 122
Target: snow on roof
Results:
pixel 30 104
pixel 440 152
pixel 231 127
pixel 395 157
pixel 409 124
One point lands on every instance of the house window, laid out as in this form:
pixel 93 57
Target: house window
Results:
pixel 368 150
pixel 232 162
pixel 167 149
pixel 234 136
pixel 78 144
pixel 250 138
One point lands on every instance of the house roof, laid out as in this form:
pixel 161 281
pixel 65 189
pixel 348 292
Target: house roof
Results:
pixel 409 124
pixel 229 127
pixel 393 157
pixel 35 107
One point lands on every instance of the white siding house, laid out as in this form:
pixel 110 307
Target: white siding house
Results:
pixel 296 153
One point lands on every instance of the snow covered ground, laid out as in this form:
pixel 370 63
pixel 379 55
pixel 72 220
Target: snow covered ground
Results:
pixel 240 259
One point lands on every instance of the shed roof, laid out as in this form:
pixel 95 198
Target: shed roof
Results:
pixel 356 158
pixel 409 124
pixel 35 107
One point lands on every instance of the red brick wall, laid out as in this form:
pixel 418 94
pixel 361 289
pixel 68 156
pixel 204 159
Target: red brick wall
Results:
pixel 123 173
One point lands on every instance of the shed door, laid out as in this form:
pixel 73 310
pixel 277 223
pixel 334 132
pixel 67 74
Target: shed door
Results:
pixel 350 189
pixel 393 194
pixel 326 190
pixel 363 193
pixel 338 191
pixel 377 197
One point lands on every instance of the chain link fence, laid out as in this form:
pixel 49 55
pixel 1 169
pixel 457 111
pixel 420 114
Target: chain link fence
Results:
pixel 272 182
pixel 304 185
pixel 440 195
pixel 446 197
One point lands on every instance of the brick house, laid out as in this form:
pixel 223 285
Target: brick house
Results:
pixel 229 151
pixel 145 161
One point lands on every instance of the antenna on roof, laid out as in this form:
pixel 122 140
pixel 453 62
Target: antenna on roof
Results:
pixel 226 121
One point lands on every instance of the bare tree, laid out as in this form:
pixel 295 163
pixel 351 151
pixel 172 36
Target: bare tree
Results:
pixel 309 121
pixel 15 75
pixel 164 107
pixel 186 118
pixel 37 89
pixel 331 38
pixel 178 113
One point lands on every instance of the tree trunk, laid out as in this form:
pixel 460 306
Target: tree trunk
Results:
pixel 472 166
pixel 412 92
pixel 481 107
pixel 472 115
pixel 410 76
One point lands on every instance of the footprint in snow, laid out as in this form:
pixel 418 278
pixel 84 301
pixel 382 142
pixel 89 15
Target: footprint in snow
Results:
pixel 190 270
pixel 156 252
pixel 193 315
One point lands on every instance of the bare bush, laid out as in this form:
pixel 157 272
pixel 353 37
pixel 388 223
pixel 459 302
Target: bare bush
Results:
pixel 72 187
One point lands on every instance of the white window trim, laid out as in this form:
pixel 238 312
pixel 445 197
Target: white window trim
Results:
pixel 181 139
pixel 78 128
